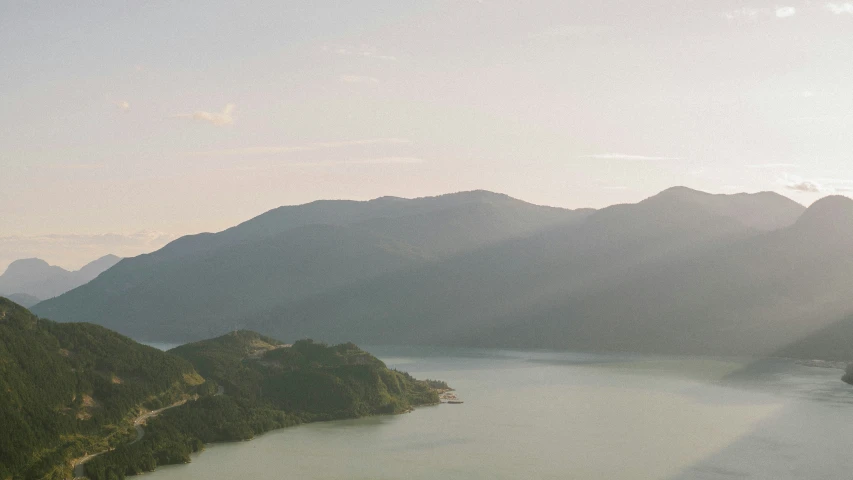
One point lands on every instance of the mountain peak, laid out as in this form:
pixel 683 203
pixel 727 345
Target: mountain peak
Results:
pixel 27 266
pixel 101 264
pixel 763 210
pixel 834 212
pixel 681 191
pixel 473 195
pixel 29 262
pixel 39 279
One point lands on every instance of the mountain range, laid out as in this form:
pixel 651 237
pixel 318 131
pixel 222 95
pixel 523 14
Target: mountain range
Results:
pixel 680 272
pixel 30 280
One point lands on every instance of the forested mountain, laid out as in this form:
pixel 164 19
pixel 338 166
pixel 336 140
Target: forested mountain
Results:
pixel 71 388
pixel 493 296
pixel 680 281
pixel 264 384
pixel 314 379
pixel 39 280
pixel 198 286
pixel 680 272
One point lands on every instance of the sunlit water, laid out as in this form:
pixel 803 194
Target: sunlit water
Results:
pixel 571 416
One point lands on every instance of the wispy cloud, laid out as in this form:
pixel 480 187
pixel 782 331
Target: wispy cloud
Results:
pixel 805 186
pixel 218 119
pixel 627 157
pixel 750 14
pixel 816 185
pixel 785 12
pixel 840 8
pixel 770 166
pixel 365 51
pixel 76 166
pixel 359 79
pixel 362 161
pixel 744 13
pixel 326 163
pixel 300 148
pixel 574 31
pixel 813 185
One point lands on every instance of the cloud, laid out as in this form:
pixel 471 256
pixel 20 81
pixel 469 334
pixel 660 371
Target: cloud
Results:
pixel 218 119
pixel 627 157
pixel 300 148
pixel 77 166
pixel 356 161
pixel 359 79
pixel 752 14
pixel 574 31
pixel 840 8
pixel 744 13
pixel 785 12
pixel 802 185
pixel 805 186
pixel 761 166
pixel 360 51
pixel 817 185
pixel 329 163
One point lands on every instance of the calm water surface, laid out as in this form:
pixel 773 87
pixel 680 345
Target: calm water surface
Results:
pixel 571 416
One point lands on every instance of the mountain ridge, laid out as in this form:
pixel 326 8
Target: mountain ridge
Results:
pixel 312 250
pixel 678 267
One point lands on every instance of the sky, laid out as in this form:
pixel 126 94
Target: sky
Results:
pixel 124 125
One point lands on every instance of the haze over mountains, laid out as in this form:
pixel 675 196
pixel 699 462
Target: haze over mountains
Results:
pixel 31 280
pixel 680 272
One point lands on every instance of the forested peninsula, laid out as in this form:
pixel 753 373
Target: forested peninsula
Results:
pixel 73 390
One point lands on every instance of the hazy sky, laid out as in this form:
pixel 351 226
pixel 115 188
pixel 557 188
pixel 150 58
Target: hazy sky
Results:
pixel 123 126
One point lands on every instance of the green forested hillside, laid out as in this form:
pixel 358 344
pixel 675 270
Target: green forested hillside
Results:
pixel 68 389
pixel 263 384
pixel 311 378
pixel 73 389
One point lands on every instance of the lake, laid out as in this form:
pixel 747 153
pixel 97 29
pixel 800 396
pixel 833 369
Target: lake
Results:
pixel 571 416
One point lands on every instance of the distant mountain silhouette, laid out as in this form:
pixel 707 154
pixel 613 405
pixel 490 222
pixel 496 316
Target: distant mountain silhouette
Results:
pixel 763 211
pixel 680 272
pixel 200 285
pixel 579 286
pixel 34 277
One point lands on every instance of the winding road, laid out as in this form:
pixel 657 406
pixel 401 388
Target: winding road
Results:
pixel 80 463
